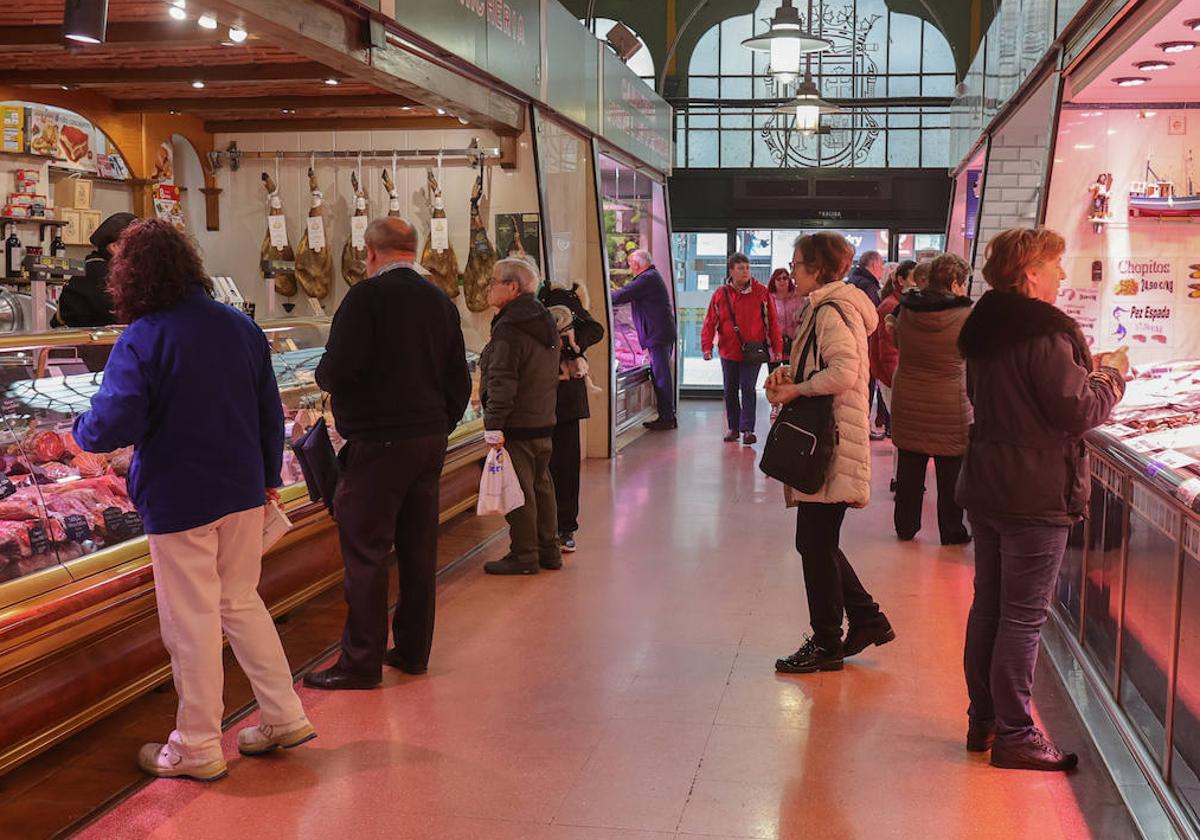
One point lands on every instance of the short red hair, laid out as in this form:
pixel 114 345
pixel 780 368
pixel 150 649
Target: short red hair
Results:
pixel 778 276
pixel 1010 253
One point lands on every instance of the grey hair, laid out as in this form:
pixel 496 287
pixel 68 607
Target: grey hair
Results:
pixel 643 256
pixel 520 271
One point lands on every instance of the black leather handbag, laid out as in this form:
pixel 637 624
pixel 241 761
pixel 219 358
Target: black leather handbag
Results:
pixel 753 352
pixel 801 444
pixel 318 462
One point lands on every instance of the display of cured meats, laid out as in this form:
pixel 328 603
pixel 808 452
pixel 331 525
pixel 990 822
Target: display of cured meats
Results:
pixel 275 247
pixel 314 257
pixel 354 254
pixel 482 257
pixel 438 257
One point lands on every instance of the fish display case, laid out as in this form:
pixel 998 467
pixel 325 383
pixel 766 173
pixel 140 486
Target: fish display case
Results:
pixel 78 624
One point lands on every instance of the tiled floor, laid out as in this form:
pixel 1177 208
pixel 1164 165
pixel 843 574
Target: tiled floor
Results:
pixel 632 695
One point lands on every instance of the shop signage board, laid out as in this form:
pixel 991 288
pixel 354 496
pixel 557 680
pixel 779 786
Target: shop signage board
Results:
pixel 574 59
pixel 633 118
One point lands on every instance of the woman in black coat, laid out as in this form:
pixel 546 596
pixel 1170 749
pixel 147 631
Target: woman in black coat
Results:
pixel 85 301
pixel 571 408
pixel 1025 482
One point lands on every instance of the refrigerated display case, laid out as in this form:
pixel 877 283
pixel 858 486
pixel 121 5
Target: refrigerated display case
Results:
pixel 78 626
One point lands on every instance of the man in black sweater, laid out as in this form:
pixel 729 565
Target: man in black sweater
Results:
pixel 396 368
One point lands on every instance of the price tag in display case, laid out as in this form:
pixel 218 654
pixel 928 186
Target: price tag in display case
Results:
pixel 114 524
pixel 277 227
pixel 316 233
pixel 7 488
pixel 39 543
pixel 76 526
pixel 133 524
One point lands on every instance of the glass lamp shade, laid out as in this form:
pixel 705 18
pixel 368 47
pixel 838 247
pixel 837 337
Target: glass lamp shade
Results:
pixel 808 117
pixel 785 42
pixel 785 58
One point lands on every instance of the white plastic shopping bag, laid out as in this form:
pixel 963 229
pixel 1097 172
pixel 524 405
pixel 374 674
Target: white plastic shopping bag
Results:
pixel 499 488
pixel 275 525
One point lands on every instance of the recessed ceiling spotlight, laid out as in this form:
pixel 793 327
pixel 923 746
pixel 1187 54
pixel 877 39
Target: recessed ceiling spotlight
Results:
pixel 287 110
pixel 198 85
pixel 177 10
pixel 406 108
pixel 1130 81
pixel 207 21
pixel 441 112
pixel 237 34
pixel 1193 24
pixel 332 82
pixel 1149 114
pixel 173 113
pixel 1176 46
pixel 464 121
pixel 65 87
pixel 1083 147
pixel 1160 64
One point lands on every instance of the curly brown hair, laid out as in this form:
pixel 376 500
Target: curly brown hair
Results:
pixel 153 268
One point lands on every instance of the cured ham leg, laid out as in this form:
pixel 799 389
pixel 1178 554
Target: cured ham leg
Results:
pixel 314 258
pixel 482 257
pixel 285 281
pixel 393 197
pixel 442 265
pixel 354 259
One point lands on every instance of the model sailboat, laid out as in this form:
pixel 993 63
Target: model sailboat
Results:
pixel 1156 198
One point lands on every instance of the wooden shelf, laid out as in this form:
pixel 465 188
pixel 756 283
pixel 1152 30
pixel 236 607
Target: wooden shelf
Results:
pixel 62 171
pixel 34 220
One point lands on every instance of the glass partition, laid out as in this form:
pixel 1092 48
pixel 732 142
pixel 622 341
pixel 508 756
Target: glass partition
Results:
pixel 701 261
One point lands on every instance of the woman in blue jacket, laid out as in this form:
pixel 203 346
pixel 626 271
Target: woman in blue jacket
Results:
pixel 190 386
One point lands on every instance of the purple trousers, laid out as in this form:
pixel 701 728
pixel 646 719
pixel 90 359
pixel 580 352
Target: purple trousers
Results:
pixel 1016 567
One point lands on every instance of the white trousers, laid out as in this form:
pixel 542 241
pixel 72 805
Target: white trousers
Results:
pixel 206 580
pixel 886 390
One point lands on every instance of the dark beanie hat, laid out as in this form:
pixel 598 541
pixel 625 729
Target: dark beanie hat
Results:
pixel 110 230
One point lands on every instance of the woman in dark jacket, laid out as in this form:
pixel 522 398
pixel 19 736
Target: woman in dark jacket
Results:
pixel 85 301
pixel 1025 480
pixel 930 411
pixel 572 407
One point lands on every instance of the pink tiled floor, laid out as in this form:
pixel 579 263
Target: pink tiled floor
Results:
pixel 631 696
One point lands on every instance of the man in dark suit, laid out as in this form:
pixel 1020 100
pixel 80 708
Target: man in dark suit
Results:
pixel 396 368
pixel 654 319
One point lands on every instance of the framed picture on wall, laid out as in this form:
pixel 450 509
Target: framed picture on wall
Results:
pixel 519 235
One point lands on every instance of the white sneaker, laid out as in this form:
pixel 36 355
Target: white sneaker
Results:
pixel 162 760
pixel 256 740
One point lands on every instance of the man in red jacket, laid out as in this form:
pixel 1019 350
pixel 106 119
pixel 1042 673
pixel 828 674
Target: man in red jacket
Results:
pixel 742 317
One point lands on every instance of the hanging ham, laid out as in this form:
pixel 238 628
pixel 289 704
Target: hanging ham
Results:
pixel 354 255
pixel 438 257
pixel 285 281
pixel 482 257
pixel 393 197
pixel 314 258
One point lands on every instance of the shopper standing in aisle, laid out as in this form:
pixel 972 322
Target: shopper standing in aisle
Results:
pixel 930 410
pixel 190 386
pixel 1025 480
pixel 518 383
pixel 654 319
pixel 842 318
pixel 867 276
pixel 789 304
pixel 570 407
pixel 881 345
pixel 395 366
pixel 741 317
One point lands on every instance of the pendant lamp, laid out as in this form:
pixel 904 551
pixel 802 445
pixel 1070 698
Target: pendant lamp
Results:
pixel 808 106
pixel 786 41
pixel 85 21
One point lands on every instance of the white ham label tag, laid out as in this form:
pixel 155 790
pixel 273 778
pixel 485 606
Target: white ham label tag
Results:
pixel 277 227
pixel 316 233
pixel 439 234
pixel 358 231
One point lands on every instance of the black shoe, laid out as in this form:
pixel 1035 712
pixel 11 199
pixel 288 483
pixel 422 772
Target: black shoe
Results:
pixel 892 486
pixel 730 437
pixel 960 539
pixel 1036 752
pixel 509 565
pixel 661 425
pixel 393 660
pixel 980 735
pixel 859 639
pixel 335 679
pixel 749 438
pixel 566 542
pixel 810 658
pixel 552 563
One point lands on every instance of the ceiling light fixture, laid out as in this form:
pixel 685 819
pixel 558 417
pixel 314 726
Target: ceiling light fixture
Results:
pixel 1083 147
pixel 464 121
pixel 177 10
pixel 198 85
pixel 207 21
pixel 238 35
pixel 808 106
pixel 65 87
pixel 441 112
pixel 786 41
pixel 85 21
pixel 1160 64
pixel 1176 46
pixel 1130 81
pixel 332 82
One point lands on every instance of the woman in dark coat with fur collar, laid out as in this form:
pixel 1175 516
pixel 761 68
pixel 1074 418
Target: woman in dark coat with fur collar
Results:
pixel 1025 481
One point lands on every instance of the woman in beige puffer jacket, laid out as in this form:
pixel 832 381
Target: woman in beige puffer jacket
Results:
pixel 930 410
pixel 843 317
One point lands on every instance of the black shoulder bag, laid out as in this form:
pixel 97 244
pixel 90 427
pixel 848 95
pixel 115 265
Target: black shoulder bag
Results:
pixel 800 446
pixel 753 352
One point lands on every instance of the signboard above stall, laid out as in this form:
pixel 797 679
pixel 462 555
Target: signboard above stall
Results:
pixel 632 117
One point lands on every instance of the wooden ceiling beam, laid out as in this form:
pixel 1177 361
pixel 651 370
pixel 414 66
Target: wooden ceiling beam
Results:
pixel 201 104
pixel 330 124
pixel 169 75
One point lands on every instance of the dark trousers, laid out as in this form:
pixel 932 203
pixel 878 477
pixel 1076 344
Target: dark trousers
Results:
pixel 741 395
pixel 564 469
pixel 387 497
pixel 1016 567
pixel 832 586
pixel 910 493
pixel 533 527
pixel 664 382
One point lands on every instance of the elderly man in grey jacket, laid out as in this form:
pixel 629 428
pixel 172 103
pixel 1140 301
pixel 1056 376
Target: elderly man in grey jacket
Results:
pixel 518 387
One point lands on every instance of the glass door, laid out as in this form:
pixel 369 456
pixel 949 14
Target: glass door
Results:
pixel 919 246
pixel 700 268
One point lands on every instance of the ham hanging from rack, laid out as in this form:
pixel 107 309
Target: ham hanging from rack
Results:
pixel 314 258
pixel 482 257
pixel 354 258
pixel 285 281
pixel 442 265
pixel 393 197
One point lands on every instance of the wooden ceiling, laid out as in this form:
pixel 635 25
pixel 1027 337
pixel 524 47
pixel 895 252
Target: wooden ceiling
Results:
pixel 151 63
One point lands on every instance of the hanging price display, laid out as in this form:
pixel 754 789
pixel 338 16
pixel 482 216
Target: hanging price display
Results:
pixel 439 234
pixel 358 231
pixel 316 233
pixel 277 226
